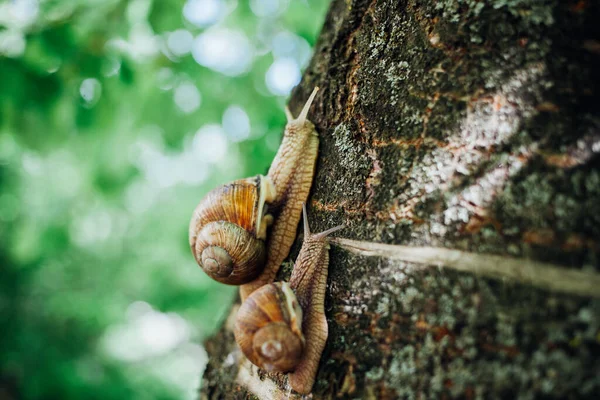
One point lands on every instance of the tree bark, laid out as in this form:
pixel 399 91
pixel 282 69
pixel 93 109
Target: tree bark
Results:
pixel 462 125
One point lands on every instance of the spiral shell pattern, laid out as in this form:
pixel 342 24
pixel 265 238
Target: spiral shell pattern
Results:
pixel 268 328
pixel 225 232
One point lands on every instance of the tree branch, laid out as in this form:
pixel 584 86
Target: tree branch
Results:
pixel 542 275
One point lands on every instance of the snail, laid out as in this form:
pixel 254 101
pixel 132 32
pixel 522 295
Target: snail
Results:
pixel 242 254
pixel 269 328
pixel 228 230
pixel 282 327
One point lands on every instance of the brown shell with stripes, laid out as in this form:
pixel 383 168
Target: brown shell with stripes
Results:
pixel 268 328
pixel 228 230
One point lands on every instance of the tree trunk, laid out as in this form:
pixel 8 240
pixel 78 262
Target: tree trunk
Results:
pixel 465 125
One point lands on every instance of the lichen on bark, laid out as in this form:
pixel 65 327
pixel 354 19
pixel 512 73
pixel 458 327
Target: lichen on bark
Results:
pixel 460 124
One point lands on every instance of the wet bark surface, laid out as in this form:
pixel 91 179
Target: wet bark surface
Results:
pixel 458 124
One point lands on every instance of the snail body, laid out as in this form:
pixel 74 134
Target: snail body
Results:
pixel 305 295
pixel 291 172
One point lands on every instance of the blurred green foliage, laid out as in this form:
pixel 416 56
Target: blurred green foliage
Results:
pixel 115 118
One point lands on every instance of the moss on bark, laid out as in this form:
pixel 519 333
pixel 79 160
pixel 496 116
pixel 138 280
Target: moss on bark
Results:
pixel 463 124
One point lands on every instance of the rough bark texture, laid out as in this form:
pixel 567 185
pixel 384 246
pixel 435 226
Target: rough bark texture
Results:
pixel 463 124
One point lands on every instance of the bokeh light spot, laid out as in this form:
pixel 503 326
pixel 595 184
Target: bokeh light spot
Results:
pixel 140 197
pixel 210 143
pixel 288 44
pixel 203 13
pixel 187 97
pixel 282 76
pixel 138 10
pixel 90 90
pixel 180 42
pixel 110 66
pixel 146 334
pixel 224 50
pixel 165 78
pixel 268 8
pixel 236 123
pixel 91 228
pixel 12 43
pixel 19 14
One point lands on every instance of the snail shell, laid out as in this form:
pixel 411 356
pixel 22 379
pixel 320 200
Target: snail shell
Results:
pixel 228 230
pixel 268 328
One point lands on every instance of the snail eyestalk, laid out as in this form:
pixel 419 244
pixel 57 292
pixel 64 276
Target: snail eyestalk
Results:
pixel 304 113
pixel 328 232
pixel 305 220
